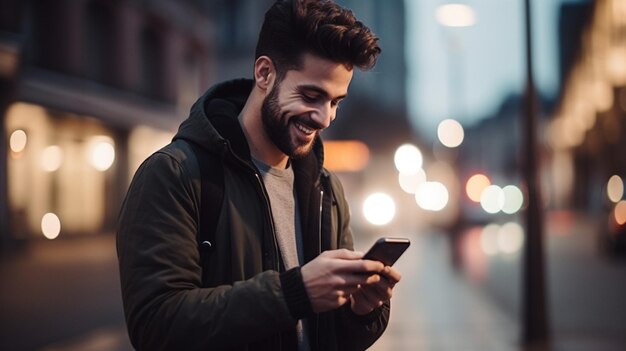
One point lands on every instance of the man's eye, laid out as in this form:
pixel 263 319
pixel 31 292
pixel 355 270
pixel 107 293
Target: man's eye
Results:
pixel 309 98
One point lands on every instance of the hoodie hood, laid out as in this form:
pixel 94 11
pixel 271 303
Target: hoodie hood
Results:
pixel 213 117
pixel 214 125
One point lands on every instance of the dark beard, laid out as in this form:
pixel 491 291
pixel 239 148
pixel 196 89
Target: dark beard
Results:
pixel 276 125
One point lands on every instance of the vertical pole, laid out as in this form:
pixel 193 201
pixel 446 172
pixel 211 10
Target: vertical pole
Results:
pixel 534 311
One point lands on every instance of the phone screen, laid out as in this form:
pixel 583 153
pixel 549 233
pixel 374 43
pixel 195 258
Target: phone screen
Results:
pixel 387 250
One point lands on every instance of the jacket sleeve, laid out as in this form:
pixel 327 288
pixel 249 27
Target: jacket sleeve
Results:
pixel 355 332
pixel 164 304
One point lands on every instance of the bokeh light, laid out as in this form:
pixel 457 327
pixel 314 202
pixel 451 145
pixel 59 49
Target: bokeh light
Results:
pixel 345 155
pixel 513 199
pixel 102 153
pixel 18 141
pixel 410 182
pixel 432 196
pixel 50 225
pixel 475 186
pixel 51 158
pixel 379 209
pixel 489 239
pixel 510 238
pixel 455 15
pixel 408 159
pixel 492 199
pixel 620 212
pixel 450 133
pixel 615 188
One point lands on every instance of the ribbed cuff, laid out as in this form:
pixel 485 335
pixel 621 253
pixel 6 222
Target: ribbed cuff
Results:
pixel 366 318
pixel 295 294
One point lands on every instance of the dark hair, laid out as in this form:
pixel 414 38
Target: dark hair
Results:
pixel 320 27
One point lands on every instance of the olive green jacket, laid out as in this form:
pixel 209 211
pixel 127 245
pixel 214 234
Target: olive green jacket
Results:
pixel 248 301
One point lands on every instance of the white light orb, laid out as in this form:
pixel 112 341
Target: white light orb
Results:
pixel 432 196
pixel 50 226
pixel 408 159
pixel 615 188
pixel 410 182
pixel 51 158
pixel 379 209
pixel 513 199
pixel 492 199
pixel 102 155
pixel 450 133
pixel 510 238
pixel 489 239
pixel 18 140
pixel 455 15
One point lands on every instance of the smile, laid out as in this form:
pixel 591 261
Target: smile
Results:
pixel 304 129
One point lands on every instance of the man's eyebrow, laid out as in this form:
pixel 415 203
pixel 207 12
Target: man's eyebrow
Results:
pixel 318 90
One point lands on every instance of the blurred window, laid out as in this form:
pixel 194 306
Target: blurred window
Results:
pixel 63 169
pixel 99 42
pixel 151 65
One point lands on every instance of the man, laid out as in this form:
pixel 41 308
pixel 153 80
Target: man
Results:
pixel 281 274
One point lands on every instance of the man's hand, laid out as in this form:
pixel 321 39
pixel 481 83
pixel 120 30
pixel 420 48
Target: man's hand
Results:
pixel 333 276
pixel 373 294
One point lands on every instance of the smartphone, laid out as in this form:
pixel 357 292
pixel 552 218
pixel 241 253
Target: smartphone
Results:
pixel 387 250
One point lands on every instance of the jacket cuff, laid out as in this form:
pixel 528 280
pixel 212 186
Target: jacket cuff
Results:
pixel 295 294
pixel 366 318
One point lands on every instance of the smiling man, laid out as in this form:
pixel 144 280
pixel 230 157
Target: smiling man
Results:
pixel 281 273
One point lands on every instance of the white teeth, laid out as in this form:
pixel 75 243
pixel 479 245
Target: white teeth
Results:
pixel 304 129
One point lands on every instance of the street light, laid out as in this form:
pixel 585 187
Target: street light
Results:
pixel 453 16
pixel 456 15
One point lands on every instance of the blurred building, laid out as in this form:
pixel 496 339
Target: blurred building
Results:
pixel 89 89
pixel 92 87
pixel 587 132
pixel 581 135
pixel 376 111
pixel 577 53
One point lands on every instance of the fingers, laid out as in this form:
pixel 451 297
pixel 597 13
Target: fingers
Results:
pixel 331 278
pixel 343 254
pixel 374 294
pixel 363 303
pixel 347 261
pixel 390 274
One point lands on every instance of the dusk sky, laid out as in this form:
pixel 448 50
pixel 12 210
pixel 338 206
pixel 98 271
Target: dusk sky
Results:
pixel 486 59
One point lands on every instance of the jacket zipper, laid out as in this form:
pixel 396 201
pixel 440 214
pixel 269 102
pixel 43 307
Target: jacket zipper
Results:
pixel 319 251
pixel 271 219
pixel 268 208
pixel 245 165
pixel 319 224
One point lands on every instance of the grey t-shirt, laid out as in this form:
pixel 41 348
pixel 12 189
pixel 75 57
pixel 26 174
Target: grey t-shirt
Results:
pixel 279 185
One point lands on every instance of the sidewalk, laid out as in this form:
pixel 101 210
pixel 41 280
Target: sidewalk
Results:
pixel 62 293
pixel 65 296
pixel 437 309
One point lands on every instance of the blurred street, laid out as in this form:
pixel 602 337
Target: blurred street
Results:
pixel 506 149
pixel 436 308
pixel 64 295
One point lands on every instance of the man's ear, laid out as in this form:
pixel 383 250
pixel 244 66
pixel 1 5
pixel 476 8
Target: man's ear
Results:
pixel 264 73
